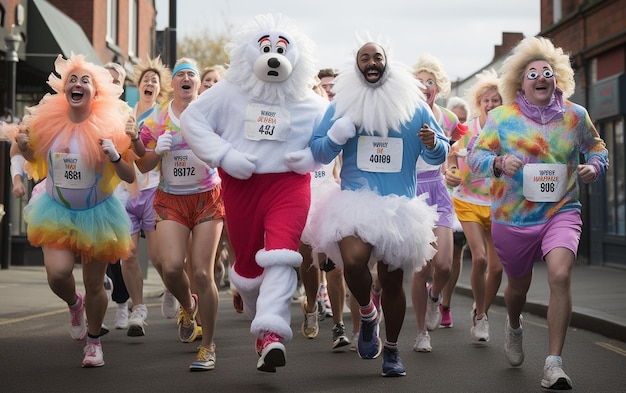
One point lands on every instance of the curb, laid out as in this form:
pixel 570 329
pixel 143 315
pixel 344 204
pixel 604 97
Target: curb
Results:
pixel 582 318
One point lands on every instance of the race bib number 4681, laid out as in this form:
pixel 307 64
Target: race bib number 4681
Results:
pixel 70 171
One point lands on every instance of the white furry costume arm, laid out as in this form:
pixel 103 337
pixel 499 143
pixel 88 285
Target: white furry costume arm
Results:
pixel 200 134
pixel 210 147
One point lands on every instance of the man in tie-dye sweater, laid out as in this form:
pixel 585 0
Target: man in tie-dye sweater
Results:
pixel 531 146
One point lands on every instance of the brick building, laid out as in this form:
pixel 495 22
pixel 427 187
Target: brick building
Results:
pixel 594 32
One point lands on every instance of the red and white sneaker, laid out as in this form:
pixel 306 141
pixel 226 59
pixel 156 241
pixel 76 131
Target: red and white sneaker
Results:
pixel 271 351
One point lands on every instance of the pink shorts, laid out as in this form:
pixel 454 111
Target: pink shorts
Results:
pixel 519 247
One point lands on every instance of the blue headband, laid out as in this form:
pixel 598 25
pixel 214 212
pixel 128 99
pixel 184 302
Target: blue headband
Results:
pixel 185 66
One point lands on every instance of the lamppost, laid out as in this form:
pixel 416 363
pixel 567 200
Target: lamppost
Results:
pixel 13 43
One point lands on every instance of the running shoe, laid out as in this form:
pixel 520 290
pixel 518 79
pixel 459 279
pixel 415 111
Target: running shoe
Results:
pixel 187 322
pixel 513 348
pixel 433 314
pixel 480 327
pixel 205 359
pixel 272 353
pixel 369 345
pixel 354 341
pixel 446 317
pixel 108 287
pixel 310 326
pixel 553 375
pixel 78 325
pixel 93 355
pixel 422 342
pixel 137 321
pixel 121 316
pixel 392 365
pixel 322 294
pixel 339 336
pixel 169 305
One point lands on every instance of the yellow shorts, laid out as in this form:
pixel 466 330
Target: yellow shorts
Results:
pixel 471 212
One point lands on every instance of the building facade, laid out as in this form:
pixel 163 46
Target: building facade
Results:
pixel 594 32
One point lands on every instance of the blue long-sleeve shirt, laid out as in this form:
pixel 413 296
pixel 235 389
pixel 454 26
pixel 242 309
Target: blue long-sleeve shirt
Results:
pixel 401 182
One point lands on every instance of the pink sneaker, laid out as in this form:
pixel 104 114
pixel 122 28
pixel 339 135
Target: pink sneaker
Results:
pixel 93 355
pixel 78 326
pixel 446 317
pixel 376 301
pixel 272 353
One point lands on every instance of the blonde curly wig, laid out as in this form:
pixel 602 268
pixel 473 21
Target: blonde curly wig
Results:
pixel 165 76
pixel 486 80
pixel 431 64
pixel 532 49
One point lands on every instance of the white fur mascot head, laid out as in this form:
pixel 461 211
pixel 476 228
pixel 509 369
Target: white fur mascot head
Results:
pixel 271 60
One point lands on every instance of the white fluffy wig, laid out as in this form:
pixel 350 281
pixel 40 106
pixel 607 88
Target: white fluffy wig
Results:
pixel 284 41
pixel 381 106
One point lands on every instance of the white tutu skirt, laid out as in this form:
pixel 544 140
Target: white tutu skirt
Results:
pixel 318 194
pixel 399 229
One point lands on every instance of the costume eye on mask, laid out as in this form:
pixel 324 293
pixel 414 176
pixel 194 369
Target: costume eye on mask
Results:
pixel 429 83
pixel 532 75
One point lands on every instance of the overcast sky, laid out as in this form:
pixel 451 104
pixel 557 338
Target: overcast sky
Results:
pixel 461 33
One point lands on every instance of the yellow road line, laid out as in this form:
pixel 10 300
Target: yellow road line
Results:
pixel 612 348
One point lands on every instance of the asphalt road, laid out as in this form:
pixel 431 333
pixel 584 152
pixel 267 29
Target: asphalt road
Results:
pixel 37 355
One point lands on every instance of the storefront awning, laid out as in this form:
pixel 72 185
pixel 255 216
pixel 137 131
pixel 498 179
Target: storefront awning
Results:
pixel 50 33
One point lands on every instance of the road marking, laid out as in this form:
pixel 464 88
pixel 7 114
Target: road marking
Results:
pixel 612 348
pixel 28 318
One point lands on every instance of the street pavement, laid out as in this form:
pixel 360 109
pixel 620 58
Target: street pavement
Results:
pixel 599 294
pixel 36 353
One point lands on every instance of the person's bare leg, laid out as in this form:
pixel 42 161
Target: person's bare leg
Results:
pixel 559 263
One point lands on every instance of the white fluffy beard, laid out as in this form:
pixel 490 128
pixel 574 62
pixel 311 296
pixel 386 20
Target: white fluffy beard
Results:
pixel 377 107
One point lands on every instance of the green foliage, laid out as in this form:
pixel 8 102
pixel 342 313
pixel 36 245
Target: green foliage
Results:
pixel 206 48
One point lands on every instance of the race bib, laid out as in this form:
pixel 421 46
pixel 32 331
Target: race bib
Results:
pixel 378 154
pixel 545 182
pixel 70 171
pixel 265 122
pixel 182 168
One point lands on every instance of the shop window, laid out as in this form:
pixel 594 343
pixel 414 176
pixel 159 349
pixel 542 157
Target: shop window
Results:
pixel 613 134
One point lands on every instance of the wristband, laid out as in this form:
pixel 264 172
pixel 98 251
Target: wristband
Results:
pixel 498 164
pixel 119 157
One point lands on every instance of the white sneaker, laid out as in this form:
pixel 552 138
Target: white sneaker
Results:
pixel 108 287
pixel 137 320
pixel 93 355
pixel 513 348
pixel 121 316
pixel 480 328
pixel 169 305
pixel 353 343
pixel 422 342
pixel 433 313
pixel 298 294
pixel 553 375
pixel 310 326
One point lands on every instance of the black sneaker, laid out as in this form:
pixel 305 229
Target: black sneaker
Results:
pixel 339 336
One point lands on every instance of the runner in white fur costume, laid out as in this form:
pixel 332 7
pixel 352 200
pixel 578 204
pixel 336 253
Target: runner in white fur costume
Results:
pixel 255 125
pixel 380 121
